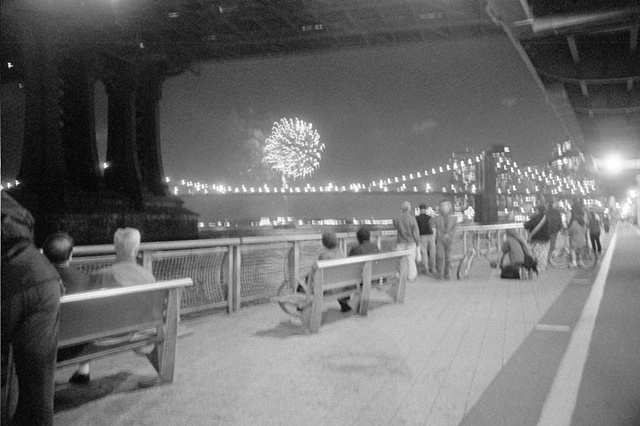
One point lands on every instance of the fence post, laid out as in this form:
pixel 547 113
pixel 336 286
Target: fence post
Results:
pixel 464 242
pixel 294 263
pixel 147 260
pixel 227 264
pixel 237 277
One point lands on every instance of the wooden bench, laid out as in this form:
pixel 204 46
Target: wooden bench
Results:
pixel 128 318
pixel 338 278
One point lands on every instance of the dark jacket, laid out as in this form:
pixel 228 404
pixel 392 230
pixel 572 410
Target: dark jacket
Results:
pixel 555 220
pixel 73 280
pixel 23 266
pixel 365 248
pixel 543 233
pixel 425 226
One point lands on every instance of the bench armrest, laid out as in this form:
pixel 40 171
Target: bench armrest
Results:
pixel 113 292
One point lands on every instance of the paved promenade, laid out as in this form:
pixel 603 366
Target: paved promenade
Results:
pixel 482 351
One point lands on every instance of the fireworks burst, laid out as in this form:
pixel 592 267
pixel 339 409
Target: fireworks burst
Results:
pixel 293 149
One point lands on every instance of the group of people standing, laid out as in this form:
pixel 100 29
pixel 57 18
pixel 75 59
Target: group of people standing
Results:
pixel 33 281
pixel 429 237
pixel 544 225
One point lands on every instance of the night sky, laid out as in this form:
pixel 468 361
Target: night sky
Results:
pixel 380 111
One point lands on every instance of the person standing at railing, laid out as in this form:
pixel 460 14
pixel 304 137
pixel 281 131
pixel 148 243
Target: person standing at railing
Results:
pixel 427 241
pixel 538 227
pixel 31 291
pixel 408 237
pixel 445 226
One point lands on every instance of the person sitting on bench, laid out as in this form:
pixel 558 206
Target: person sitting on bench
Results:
pixel 124 272
pixel 365 247
pixel 58 249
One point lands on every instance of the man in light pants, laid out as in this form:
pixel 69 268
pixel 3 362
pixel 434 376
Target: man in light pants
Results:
pixel 427 241
pixel 408 237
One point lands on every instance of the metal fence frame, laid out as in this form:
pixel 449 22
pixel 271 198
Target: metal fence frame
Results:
pixel 298 254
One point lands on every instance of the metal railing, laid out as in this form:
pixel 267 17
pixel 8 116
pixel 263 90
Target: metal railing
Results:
pixel 228 271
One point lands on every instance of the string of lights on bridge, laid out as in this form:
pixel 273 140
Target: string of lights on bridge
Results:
pixel 537 177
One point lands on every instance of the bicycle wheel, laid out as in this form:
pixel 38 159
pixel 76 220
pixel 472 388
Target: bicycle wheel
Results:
pixel 588 258
pixel 465 265
pixel 298 297
pixel 559 258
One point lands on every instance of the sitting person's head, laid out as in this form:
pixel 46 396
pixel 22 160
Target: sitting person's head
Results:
pixel 363 235
pixel 423 208
pixel 405 207
pixel 329 239
pixel 126 242
pixel 58 247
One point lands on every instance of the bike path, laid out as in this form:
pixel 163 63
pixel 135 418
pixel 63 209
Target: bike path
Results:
pixel 609 393
pixel 519 392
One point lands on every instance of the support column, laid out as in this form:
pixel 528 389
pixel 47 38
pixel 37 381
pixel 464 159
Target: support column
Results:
pixel 42 169
pixel 148 129
pixel 78 130
pixel 123 173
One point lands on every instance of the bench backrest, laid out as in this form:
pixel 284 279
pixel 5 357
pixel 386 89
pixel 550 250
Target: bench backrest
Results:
pixel 91 315
pixel 340 273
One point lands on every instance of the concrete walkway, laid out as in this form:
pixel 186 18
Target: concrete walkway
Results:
pixel 454 352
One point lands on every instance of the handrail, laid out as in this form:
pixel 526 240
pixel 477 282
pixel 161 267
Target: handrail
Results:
pixel 112 292
pixel 228 271
pixel 159 245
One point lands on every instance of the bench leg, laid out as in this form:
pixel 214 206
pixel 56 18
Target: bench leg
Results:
pixel 163 356
pixel 365 295
pixel 316 314
pixel 401 285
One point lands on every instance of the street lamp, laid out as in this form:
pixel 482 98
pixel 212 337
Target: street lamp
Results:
pixel 614 164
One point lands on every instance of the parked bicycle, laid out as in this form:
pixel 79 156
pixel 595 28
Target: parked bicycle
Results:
pixel 293 296
pixel 561 257
pixel 482 246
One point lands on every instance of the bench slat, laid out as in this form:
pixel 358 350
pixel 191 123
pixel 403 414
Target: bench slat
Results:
pixel 87 319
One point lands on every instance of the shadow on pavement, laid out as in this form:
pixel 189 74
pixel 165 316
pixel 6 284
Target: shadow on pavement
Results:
pixel 68 396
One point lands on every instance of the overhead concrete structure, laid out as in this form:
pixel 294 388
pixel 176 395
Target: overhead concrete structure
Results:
pixel 584 55
pixel 58 50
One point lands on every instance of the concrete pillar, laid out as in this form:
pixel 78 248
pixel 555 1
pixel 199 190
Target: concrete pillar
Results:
pixel 42 168
pixel 123 173
pixel 78 130
pixel 148 97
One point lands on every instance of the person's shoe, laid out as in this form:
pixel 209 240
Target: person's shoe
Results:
pixel 344 306
pixel 79 379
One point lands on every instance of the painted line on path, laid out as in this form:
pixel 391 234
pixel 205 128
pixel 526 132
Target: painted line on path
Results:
pixel 561 401
pixel 553 327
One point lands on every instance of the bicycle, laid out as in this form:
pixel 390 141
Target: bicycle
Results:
pixel 561 257
pixel 293 296
pixel 468 259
